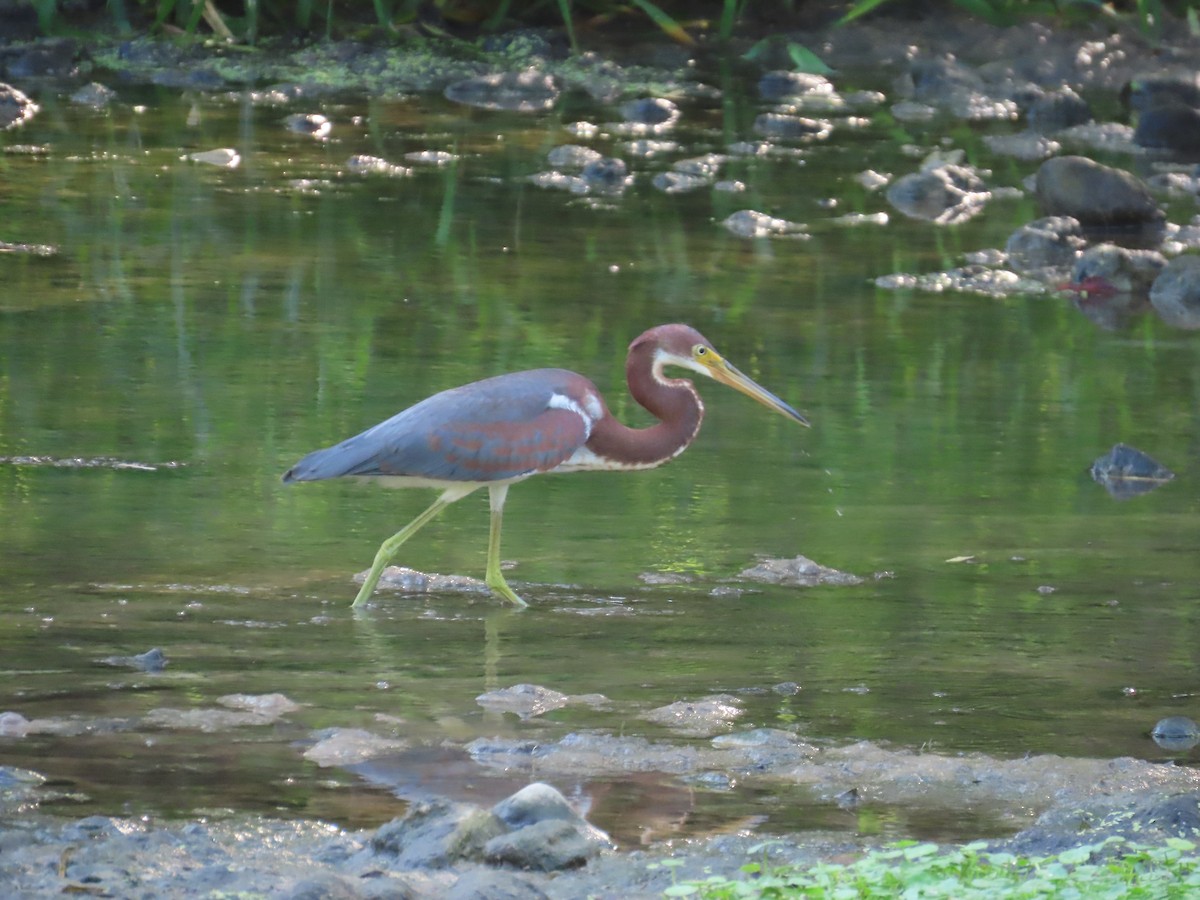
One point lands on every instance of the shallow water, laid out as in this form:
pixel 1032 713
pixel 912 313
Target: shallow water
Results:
pixel 213 325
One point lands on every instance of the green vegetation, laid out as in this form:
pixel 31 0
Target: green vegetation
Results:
pixel 1113 868
pixel 245 21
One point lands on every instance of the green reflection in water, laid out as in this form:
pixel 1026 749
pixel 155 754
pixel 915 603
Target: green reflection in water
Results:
pixel 231 320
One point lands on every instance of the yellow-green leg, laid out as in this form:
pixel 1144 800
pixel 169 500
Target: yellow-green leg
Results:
pixel 494 577
pixel 389 547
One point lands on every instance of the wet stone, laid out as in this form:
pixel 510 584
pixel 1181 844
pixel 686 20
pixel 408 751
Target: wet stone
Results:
pixel 1127 472
pixel 527 91
pixel 314 125
pixel 15 108
pixel 1175 293
pixel 1027 146
pixel 679 182
pixel 1176 733
pixel 95 95
pixel 655 112
pixel 572 156
pixel 1093 193
pixel 782 85
pixel 780 125
pixel 753 224
pixel 13 724
pixel 606 175
pixel 430 157
pixel 1052 242
pixel 410 581
pixel 1056 110
pixel 1172 128
pixel 523 700
pixel 223 157
pixel 1147 92
pixel 1114 269
pixel 361 164
pixel 698 717
pixel 798 572
pixel 268 705
pixel 493 884
pixel 153 660
pixel 437 834
pixel 942 194
pixel 349 746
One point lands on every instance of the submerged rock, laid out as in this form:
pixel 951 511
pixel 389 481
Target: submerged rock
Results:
pixel 1109 268
pixel 698 717
pixel 15 108
pixel 1127 472
pixel 153 660
pixel 95 95
pixel 753 224
pixel 1175 293
pixel 361 164
pixel 410 581
pixel 798 572
pixel 528 91
pixel 314 125
pixel 349 746
pixel 1050 243
pixel 656 113
pixel 780 125
pixel 523 700
pixel 1176 733
pixel 944 194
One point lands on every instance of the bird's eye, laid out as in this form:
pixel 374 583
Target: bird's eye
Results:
pixel 700 350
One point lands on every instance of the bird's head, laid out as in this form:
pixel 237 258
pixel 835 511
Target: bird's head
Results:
pixel 684 346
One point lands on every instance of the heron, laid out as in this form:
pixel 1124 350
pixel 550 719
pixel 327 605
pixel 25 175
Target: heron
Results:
pixel 501 430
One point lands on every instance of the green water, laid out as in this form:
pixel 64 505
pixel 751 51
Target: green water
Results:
pixel 215 325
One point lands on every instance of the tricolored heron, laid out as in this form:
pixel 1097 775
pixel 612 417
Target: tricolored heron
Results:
pixel 505 429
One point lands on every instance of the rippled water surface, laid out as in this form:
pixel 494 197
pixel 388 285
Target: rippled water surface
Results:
pixel 212 325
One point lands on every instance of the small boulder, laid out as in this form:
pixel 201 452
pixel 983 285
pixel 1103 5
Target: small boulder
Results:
pixel 1175 293
pixel 437 834
pixel 1095 194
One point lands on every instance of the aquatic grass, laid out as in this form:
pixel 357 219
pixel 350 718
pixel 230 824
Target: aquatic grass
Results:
pixel 257 18
pixel 1112 868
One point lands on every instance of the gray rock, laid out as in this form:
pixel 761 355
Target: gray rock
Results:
pixel 1163 89
pixel 1127 472
pixel 1175 294
pixel 783 84
pixel 1176 733
pixel 543 847
pixel 1093 193
pixel 437 834
pixel 779 125
pixel 798 572
pixel 523 700
pixel 1056 110
pixel 945 194
pixel 1172 128
pixel 325 886
pixel 489 884
pixel 653 111
pixel 1052 242
pixel 527 91
pixel 536 802
pixel 15 108
pixel 1118 268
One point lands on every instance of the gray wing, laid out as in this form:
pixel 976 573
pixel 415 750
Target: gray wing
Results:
pixel 492 430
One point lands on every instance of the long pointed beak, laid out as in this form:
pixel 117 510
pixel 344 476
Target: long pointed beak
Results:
pixel 722 371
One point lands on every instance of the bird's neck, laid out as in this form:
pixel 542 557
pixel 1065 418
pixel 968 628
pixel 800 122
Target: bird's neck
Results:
pixel 673 401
